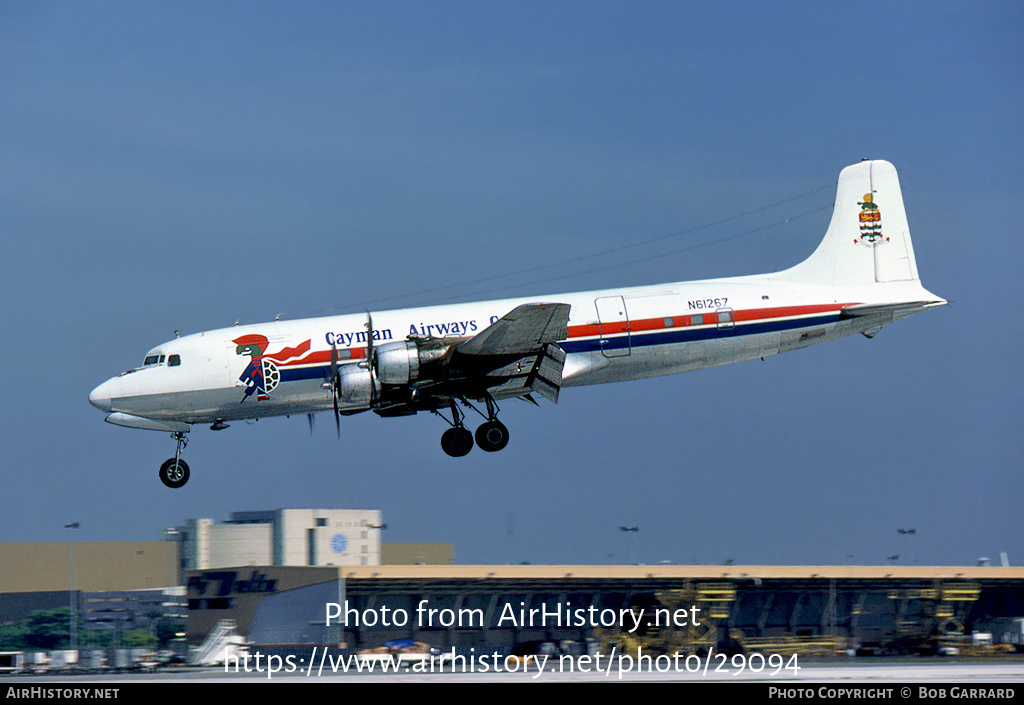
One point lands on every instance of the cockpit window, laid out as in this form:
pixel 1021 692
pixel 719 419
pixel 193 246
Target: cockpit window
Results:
pixel 174 360
pixel 151 360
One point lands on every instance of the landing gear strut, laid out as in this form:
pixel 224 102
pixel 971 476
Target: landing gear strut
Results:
pixel 456 441
pixel 491 435
pixel 174 472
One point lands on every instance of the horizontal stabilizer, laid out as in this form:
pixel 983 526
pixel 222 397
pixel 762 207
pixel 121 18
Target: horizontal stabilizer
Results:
pixel 887 313
pixel 857 310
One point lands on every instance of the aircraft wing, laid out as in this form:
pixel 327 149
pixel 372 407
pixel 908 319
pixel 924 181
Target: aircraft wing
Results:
pixel 523 329
pixel 519 353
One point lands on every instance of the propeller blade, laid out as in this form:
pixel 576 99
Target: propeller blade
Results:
pixel 335 388
pixel 310 417
pixel 371 362
pixel 369 337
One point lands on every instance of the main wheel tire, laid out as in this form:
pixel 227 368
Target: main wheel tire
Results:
pixel 492 436
pixel 174 473
pixel 456 442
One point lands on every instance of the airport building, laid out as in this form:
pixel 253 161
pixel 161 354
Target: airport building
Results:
pixel 283 537
pixel 117 584
pixel 273 576
pixel 826 609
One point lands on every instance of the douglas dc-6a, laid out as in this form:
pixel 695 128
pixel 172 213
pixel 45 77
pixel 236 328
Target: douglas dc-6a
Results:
pixel 444 359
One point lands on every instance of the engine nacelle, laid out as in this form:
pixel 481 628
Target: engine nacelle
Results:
pixel 397 363
pixel 355 382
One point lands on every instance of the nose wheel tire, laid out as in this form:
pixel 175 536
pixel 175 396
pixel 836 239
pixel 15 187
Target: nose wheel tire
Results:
pixel 174 473
pixel 457 441
pixel 492 436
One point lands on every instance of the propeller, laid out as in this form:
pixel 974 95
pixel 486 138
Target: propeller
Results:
pixel 335 379
pixel 371 362
pixel 335 388
pixel 310 418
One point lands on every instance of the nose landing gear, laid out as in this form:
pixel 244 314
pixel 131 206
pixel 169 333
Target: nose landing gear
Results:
pixel 174 472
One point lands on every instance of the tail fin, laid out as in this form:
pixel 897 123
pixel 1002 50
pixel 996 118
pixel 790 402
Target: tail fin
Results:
pixel 868 240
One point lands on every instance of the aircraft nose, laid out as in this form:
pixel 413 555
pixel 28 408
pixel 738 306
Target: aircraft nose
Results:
pixel 100 397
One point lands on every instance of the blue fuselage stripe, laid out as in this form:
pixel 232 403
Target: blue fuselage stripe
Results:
pixel 629 340
pixel 687 335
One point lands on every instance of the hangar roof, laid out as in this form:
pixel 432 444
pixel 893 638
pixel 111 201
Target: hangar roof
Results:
pixel 696 572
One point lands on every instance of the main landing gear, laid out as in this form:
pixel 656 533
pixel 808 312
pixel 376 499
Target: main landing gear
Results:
pixel 491 435
pixel 174 472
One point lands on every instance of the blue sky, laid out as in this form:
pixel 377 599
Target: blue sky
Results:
pixel 182 165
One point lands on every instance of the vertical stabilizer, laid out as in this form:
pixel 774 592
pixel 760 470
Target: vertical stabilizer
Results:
pixel 868 240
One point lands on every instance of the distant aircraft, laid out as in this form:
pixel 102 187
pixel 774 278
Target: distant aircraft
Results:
pixel 442 359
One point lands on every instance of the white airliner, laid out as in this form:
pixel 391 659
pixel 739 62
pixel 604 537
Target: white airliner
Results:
pixel 861 277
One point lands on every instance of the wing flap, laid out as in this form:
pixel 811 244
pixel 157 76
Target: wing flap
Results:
pixel 539 372
pixel 547 378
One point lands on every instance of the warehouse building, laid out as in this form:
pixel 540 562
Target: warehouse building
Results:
pixel 672 607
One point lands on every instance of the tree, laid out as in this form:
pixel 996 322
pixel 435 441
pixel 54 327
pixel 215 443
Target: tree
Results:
pixel 167 629
pixel 47 629
pixel 12 637
pixel 138 638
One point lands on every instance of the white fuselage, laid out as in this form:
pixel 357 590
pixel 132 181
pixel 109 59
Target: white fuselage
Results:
pixel 614 335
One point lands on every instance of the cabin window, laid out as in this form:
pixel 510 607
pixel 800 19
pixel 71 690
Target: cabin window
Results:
pixel 726 319
pixel 174 361
pixel 697 319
